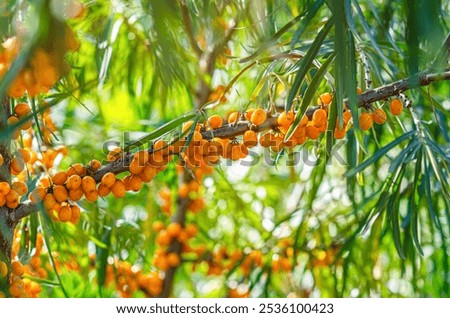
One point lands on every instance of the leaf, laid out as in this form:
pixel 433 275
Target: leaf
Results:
pixel 175 123
pixel 309 94
pixel 310 14
pixel 306 62
pixel 378 154
pixel 102 258
pixel 412 206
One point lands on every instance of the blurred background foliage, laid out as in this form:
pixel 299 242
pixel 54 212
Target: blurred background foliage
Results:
pixel 351 227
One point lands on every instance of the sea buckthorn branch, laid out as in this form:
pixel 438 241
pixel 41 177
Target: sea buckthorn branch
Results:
pixel 230 131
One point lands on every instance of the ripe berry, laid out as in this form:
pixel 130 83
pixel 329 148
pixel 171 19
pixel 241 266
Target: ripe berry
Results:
pixel 250 138
pixel 258 117
pixel 319 117
pixel 365 121
pixel 325 99
pixel 312 132
pixel 22 109
pixel 108 179
pixel 73 182
pixel 3 269
pixel 59 178
pixel 379 116
pixel 215 121
pixel 396 107
pixel 286 119
pixel 118 189
pixel 233 117
pixel 17 268
pixel 65 213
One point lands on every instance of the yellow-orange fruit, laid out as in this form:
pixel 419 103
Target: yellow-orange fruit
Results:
pixel 312 132
pixel 277 143
pixel 187 126
pixel 183 190
pixel 76 194
pixel 365 121
pixel 215 121
pixel 76 212
pixel 258 117
pixel 17 268
pixel 24 154
pixel 143 155
pixel 60 192
pixel 157 226
pixel 65 213
pixel 347 116
pixel 49 201
pixel 148 173
pixel 319 117
pixel 266 139
pixel 173 259
pixel 324 99
pixel 114 154
pixel 396 107
pixel 88 184
pixel 248 113
pixel 174 229
pixel 379 116
pixel 17 164
pixel 340 133
pixel 73 182
pixel 20 187
pixel 163 238
pixel 250 138
pixel 2 161
pixel 4 187
pixel 22 109
pixel 94 165
pixel 76 169
pixel 233 117
pixel 59 178
pixel 135 166
pixel 3 269
pixel 118 189
pixel 103 189
pixel 286 118
pixel 191 230
pixel 37 195
pixel 135 183
pixel 108 179
pixel 197 137
pixel 91 196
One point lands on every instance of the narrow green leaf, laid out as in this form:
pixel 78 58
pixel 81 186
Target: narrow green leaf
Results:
pixel 306 62
pixel 378 154
pixel 309 94
pixel 175 123
pixel 102 259
pixel 310 14
pixel 412 206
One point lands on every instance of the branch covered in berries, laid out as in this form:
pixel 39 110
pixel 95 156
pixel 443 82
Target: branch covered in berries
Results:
pixel 230 131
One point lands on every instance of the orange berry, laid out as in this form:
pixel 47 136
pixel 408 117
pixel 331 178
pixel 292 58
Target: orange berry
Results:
pixel 2 161
pixel 250 138
pixel 248 113
pixel 65 213
pixel 135 183
pixel 396 106
pixel 135 166
pixel 76 212
pixel 109 179
pixel 22 109
pixel 37 195
pixel 215 121
pixel 20 187
pixel 163 238
pixel 258 117
pixel 76 194
pixel 76 169
pixel 312 132
pixel 17 164
pixel 325 99
pixel 286 119
pixel 197 137
pixel 73 182
pixel 277 143
pixel 103 190
pixel 340 133
pixel 173 259
pixel 114 154
pixel 157 226
pixel 3 269
pixel 266 139
pixel 118 189
pixel 49 201
pixel 159 145
pixel 319 117
pixel 191 230
pixel 94 165
pixel 24 154
pixel 17 268
pixel 4 188
pixel 365 121
pixel 233 117
pixel 379 116
pixel 59 178
pixel 183 191
pixel 60 193
pixel 347 116
pixel 88 184
pixel 173 230
pixel 148 173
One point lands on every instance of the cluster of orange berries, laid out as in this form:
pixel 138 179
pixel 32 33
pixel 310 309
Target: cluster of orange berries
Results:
pixel 43 70
pixel 165 258
pixel 130 279
pixel 20 286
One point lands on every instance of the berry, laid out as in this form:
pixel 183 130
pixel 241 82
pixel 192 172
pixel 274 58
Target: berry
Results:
pixel 109 179
pixel 17 268
pixel 118 189
pixel 396 107
pixel 312 132
pixel 250 138
pixel 258 117
pixel 365 121
pixel 215 121
pixel 286 119
pixel 325 99
pixel 379 116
